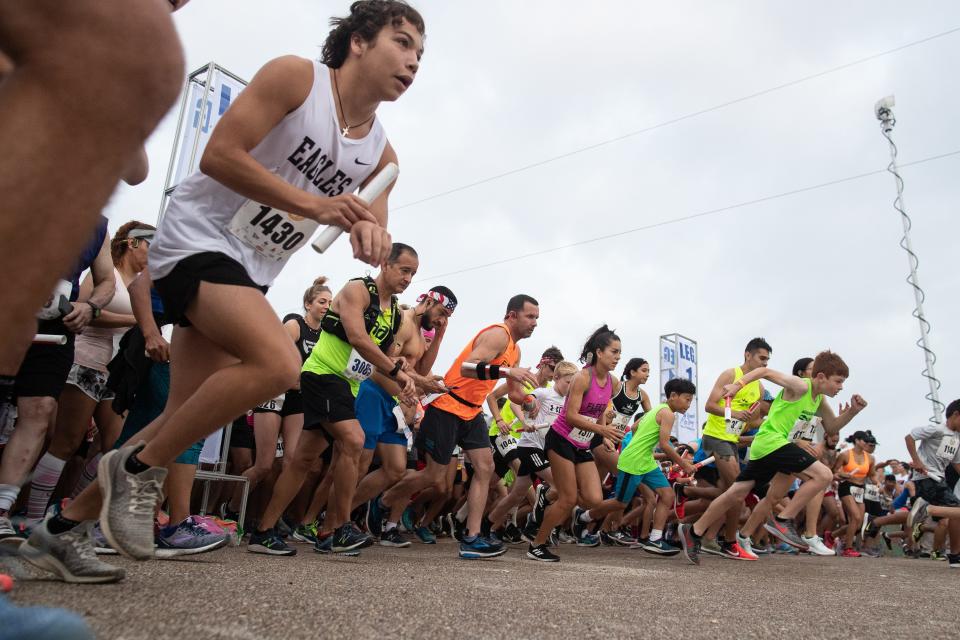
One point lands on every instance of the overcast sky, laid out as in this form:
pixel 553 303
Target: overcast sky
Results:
pixel 504 85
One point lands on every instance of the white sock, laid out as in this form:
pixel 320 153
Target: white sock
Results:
pixel 585 517
pixel 390 525
pixel 8 495
pixel 655 534
pixel 461 514
pixel 46 475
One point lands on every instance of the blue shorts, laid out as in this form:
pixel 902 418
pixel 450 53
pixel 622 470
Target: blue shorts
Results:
pixel 374 409
pixel 627 484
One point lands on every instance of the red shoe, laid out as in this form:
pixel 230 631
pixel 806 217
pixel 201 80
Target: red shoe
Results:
pixel 736 552
pixel 850 553
pixel 828 539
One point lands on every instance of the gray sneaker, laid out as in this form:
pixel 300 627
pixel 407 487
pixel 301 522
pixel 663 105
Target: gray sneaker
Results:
pixel 69 555
pixel 129 501
pixel 9 535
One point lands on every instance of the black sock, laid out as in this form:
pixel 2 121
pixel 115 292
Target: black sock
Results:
pixel 58 524
pixel 6 388
pixel 133 465
pixel 779 519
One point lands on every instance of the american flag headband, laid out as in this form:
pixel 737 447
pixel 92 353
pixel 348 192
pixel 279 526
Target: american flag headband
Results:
pixel 447 303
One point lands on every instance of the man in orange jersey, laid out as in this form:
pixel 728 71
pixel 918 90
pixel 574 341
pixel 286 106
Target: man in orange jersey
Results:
pixel 455 418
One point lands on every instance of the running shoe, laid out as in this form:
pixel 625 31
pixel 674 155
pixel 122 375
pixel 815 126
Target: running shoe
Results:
pixel 850 553
pixel 408 519
pixel 661 548
pixel 284 530
pixel 530 530
pixel 872 530
pixel 349 538
pixel 745 543
pixel 763 550
pixel 886 541
pixel 376 514
pixel 561 536
pixel 605 538
pixel 459 529
pixel 226 513
pixel 576 527
pixel 305 533
pixel 425 535
pixel 129 502
pixel 828 539
pixel 68 555
pixel 639 543
pixel 734 551
pixel 870 552
pixel 785 531
pixel 711 546
pixel 269 543
pixel 187 538
pixel 477 547
pixel 8 534
pixel 816 547
pixel 953 560
pixel 783 547
pixel 588 540
pixel 918 513
pixel 100 544
pixel 324 545
pixel 838 546
pixel 393 538
pixel 618 538
pixel 689 542
pixel 511 534
pixel 626 536
pixel 540 504
pixel 542 553
pixel 934 555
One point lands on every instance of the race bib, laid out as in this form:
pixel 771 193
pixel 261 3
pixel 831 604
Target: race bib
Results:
pixel 279 447
pixel 857 493
pixel 621 421
pixel 275 404
pixel 734 426
pixel 871 492
pixel 808 430
pixel 581 436
pixel 357 368
pixel 401 419
pixel 505 444
pixel 948 448
pixel 270 232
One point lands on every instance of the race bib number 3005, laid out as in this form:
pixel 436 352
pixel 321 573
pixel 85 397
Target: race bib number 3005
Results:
pixel 270 232
pixel 357 367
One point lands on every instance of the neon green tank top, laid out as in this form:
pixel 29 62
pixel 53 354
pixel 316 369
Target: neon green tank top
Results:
pixel 331 355
pixel 784 416
pixel 717 426
pixel 509 417
pixel 637 458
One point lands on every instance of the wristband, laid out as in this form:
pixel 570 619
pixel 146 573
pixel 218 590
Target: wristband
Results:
pixel 494 371
pixel 396 369
pixel 740 382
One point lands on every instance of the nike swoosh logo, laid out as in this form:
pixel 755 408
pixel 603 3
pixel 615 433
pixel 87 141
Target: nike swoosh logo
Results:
pixel 366 164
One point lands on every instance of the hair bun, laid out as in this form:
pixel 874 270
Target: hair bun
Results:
pixel 320 280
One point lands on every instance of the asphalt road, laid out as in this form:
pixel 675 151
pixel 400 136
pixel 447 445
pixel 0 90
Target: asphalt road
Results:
pixel 426 591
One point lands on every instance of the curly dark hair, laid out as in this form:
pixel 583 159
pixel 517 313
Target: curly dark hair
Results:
pixel 366 19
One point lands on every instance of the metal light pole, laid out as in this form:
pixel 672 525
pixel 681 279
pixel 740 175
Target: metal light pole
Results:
pixel 884 112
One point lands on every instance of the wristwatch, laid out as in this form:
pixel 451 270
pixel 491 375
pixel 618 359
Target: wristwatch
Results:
pixel 96 310
pixel 396 369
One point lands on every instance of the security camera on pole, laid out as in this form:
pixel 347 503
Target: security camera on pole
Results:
pixel 884 112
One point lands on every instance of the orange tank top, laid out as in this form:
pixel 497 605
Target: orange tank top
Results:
pixel 855 469
pixel 465 400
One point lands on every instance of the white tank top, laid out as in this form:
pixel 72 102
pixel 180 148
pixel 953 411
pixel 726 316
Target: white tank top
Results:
pixel 95 347
pixel 306 150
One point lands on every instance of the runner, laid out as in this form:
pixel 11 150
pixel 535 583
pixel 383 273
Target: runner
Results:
pixel 932 449
pixel 637 465
pixel 356 335
pixel 773 456
pixel 853 467
pixel 455 418
pixel 568 443
pixel 283 145
pixel 283 415
pixel 721 437
pixel 384 429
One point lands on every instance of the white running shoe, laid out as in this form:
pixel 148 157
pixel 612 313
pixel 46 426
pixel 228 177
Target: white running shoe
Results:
pixel 745 543
pixel 815 546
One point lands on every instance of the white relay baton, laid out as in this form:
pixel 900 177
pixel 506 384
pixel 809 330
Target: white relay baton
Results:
pixel 368 194
pixel 47 338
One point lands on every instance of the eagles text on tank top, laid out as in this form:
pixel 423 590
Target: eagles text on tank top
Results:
pixel 308 335
pixel 307 151
pixel 467 395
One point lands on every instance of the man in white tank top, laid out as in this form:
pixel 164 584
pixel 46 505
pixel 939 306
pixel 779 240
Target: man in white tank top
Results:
pixel 282 160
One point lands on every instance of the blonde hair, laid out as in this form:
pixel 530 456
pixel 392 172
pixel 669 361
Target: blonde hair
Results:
pixel 564 368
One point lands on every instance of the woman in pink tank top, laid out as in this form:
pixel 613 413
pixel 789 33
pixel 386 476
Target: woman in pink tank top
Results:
pixel 568 442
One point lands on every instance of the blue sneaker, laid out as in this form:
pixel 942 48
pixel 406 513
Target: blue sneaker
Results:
pixel 408 519
pixel 426 536
pixel 324 545
pixel 187 538
pixel 269 543
pixel 588 540
pixel 348 538
pixel 661 547
pixel 474 547
pixel 375 516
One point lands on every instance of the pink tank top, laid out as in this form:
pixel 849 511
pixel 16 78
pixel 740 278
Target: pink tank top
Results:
pixel 592 406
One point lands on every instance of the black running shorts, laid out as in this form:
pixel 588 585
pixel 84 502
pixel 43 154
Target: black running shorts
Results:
pixel 45 368
pixel 440 433
pixel 532 460
pixel 563 448
pixel 936 492
pixel 787 459
pixel 327 398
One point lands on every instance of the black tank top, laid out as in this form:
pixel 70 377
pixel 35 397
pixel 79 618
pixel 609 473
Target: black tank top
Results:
pixel 308 336
pixel 625 405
